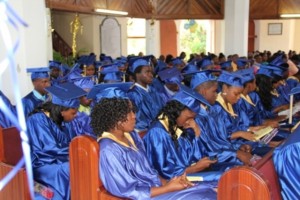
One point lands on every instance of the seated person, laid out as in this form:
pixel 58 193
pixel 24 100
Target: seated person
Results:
pixel 125 170
pixel 172 141
pixel 40 80
pixel 214 136
pixel 235 119
pixel 171 79
pixel 144 96
pixel 49 134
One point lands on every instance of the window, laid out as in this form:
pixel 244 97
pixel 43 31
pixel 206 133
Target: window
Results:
pixel 136 36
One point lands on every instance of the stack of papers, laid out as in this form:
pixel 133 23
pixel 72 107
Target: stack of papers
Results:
pixel 262 132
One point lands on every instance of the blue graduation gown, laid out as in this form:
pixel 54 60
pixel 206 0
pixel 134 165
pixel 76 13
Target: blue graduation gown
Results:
pixel 278 100
pixel 126 172
pixel 4 121
pixel 50 153
pixel 264 114
pixel 165 95
pixel 286 161
pixel 251 110
pixel 81 124
pixel 293 82
pixel 169 160
pixel 148 105
pixel 215 139
pixel 30 102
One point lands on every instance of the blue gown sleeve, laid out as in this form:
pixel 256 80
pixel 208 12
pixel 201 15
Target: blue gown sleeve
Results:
pixel 162 153
pixel 286 161
pixel 143 118
pixel 48 143
pixel 125 175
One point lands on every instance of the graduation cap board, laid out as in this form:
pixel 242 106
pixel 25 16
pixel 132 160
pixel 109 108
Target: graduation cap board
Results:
pixel 66 94
pixel 190 98
pixel 232 78
pixel 40 72
pixel 201 77
pixel 171 75
pixel 97 89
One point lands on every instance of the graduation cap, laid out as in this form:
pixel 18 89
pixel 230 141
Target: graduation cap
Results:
pixel 247 74
pixel 109 90
pixel 232 79
pixel 161 65
pixel 171 75
pixel 265 70
pixel 190 98
pixel 66 94
pixel 137 63
pixel 41 72
pixel 176 61
pixel 241 62
pixel 205 63
pixel 111 73
pixel 106 59
pixel 87 59
pixel 225 65
pixel 54 64
pixel 190 68
pixel 201 77
pixel 278 60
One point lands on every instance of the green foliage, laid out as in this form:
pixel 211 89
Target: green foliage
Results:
pixel 193 39
pixel 69 60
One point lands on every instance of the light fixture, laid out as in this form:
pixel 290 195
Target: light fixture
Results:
pixel 290 15
pixel 112 12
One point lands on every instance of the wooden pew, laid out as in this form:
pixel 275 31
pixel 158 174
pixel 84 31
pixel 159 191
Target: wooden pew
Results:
pixel 10 153
pixel 250 183
pixel 84 170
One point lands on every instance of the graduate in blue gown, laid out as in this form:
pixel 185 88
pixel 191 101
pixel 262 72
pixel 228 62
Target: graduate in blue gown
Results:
pixel 143 95
pixel 124 168
pixel 286 162
pixel 171 79
pixel 4 121
pixel 55 72
pixel 236 121
pixel 50 133
pixel 81 123
pixel 40 80
pixel 214 136
pixel 267 83
pixel 172 142
pixel 250 102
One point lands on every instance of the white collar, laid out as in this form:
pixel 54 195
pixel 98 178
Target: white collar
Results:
pixel 139 85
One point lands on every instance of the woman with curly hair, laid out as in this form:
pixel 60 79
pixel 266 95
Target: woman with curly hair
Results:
pixel 125 170
pixel 172 141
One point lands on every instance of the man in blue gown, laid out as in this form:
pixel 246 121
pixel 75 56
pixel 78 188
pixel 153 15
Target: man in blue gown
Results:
pixel 144 96
pixel 40 80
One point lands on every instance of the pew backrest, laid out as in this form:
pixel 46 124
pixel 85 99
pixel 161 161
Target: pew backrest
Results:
pixel 10 153
pixel 84 170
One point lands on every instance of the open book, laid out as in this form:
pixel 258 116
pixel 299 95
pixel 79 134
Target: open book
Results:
pixel 262 132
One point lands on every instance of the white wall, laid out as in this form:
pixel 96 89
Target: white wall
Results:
pixel 286 41
pixel 35 44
